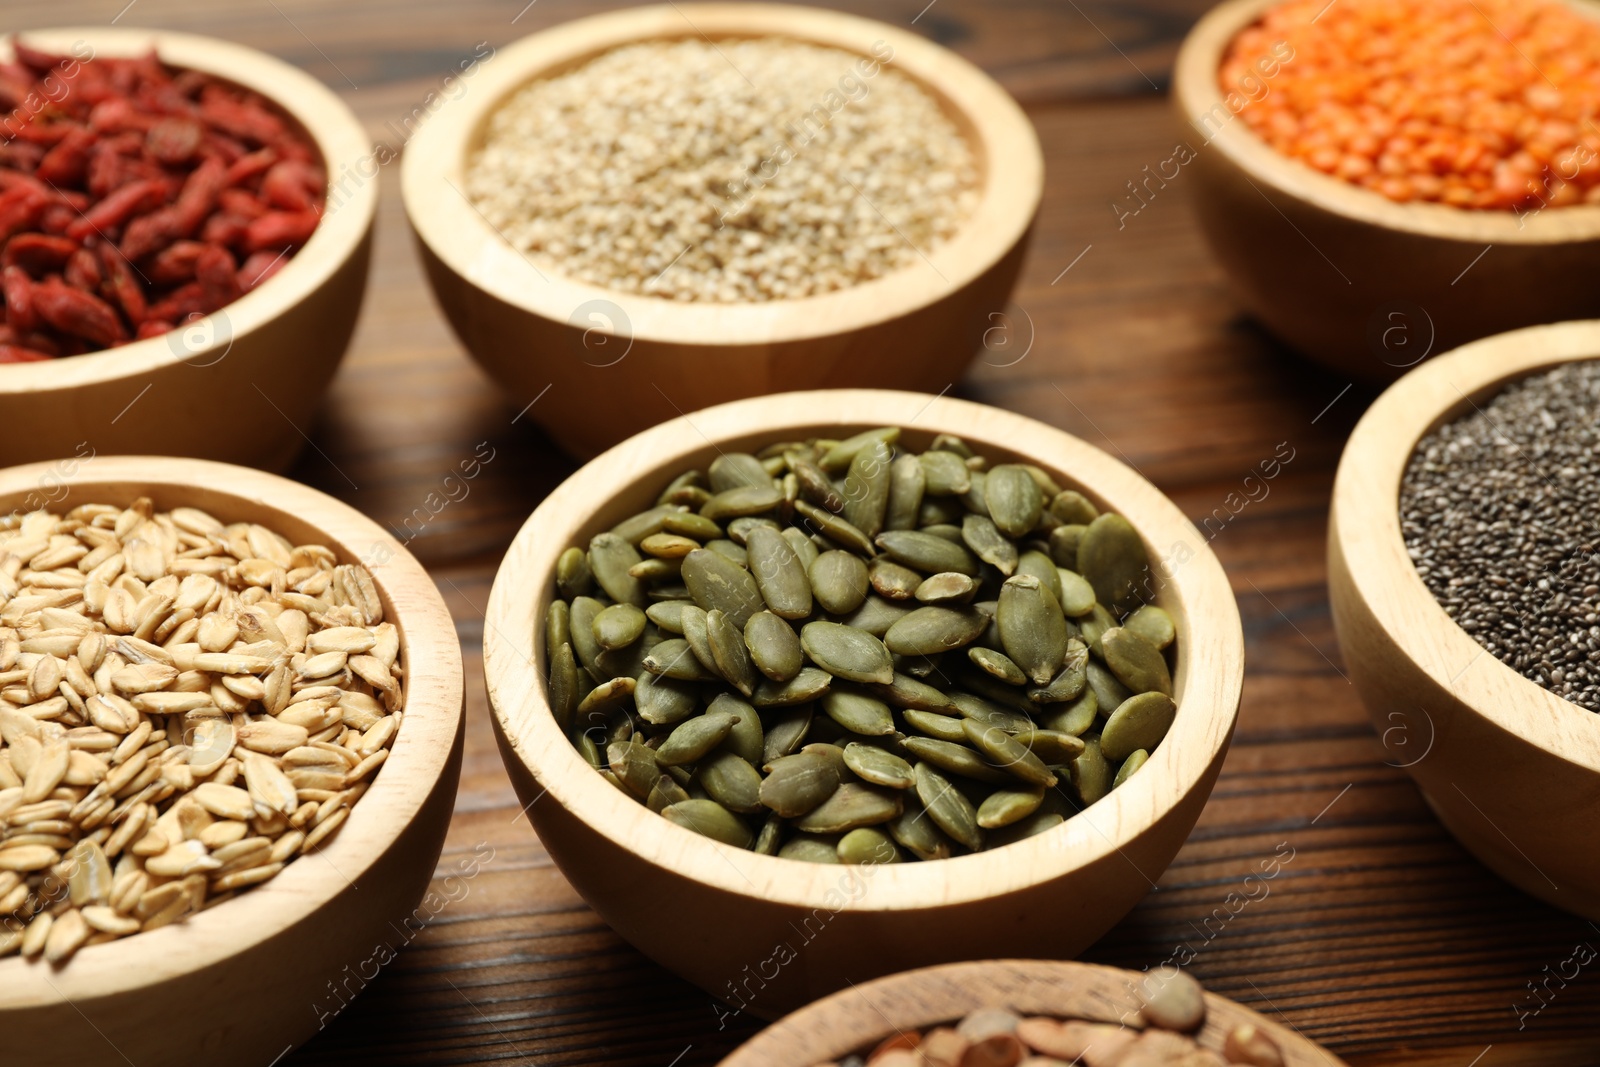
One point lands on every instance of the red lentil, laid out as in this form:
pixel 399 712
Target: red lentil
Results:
pixel 1484 104
pixel 135 197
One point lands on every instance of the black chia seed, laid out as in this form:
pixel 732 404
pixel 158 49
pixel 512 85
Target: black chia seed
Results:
pixel 1500 510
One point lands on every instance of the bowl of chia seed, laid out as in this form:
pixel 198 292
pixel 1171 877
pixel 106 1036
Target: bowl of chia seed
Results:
pixel 1464 573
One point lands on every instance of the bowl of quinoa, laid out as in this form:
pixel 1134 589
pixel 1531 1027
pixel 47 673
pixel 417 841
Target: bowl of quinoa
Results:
pixel 670 207
pixel 1385 181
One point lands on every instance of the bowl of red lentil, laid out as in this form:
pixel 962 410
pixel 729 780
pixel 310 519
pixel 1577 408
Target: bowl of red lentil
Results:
pixel 656 210
pixel 180 275
pixel 1461 575
pixel 1384 181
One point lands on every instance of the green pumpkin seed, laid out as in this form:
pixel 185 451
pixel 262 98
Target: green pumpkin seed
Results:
pixel 730 781
pixel 732 551
pixel 693 620
pixel 786 731
pixel 949 810
pixel 992 690
pixel 667 615
pixel 930 630
pixel 656 570
pixel 1015 502
pixel 1139 722
pixel 769 839
pixel 674 658
pixel 815 487
pixel 1094 626
pixel 847 653
pixel 941 512
pixel 774 646
pixel 1006 806
pixel 691 525
pixel 876 615
pixel 939 727
pixel 1008 753
pixel 945 531
pixel 583 612
pixel 665 793
pixel 946 473
pixel 1108 692
pixel 608 694
pixel 1064 542
pixel 610 557
pixel 907 482
pixel 1051 746
pixel 664 701
pixel 1112 557
pixel 618 626
pixel 731 470
pixel 906 692
pixel 1076 717
pixel 892 581
pixel 779 575
pixel 858 713
pixel 1069 683
pixel 1032 629
pixel 851 806
pixel 637 527
pixel 979 533
pixel 588 748
pixel 573 576
pixel 947 587
pixel 878 766
pixel 1134 761
pixel 564 686
pixel 840 455
pixel 1077 595
pixel 915 832
pixel 1032 826
pixel 635 767
pixel 741 501
pixel 803 688
pixel 956 759
pixel 691 740
pixel 840 581
pixel 927 553
pixel 974 498
pixel 834 528
pixel 997 665
pixel 1137 663
pixel 1152 624
pixel 557 624
pixel 1091 773
pixel 796 784
pixel 804 550
pixel 811 848
pixel 729 653
pixel 668 546
pixel 1043 568
pixel 710 819
pixel 715 582
pixel 1071 506
pixel 867 845
pixel 989 713
pixel 866 488
pixel 739 530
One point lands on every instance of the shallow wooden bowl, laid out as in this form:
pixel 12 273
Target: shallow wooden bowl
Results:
pixel 617 363
pixel 726 918
pixel 240 385
pixel 1345 275
pixel 1510 768
pixel 245 981
pixel 860 1017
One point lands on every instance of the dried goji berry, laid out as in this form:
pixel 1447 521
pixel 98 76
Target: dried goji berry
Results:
pixel 258 267
pixel 37 253
pixel 18 288
pixel 66 163
pixel 218 278
pixel 19 207
pixel 291 186
pixel 80 314
pixel 55 218
pixel 114 210
pixel 152 328
pixel 225 228
pixel 241 202
pixel 280 229
pixel 18 354
pixel 120 286
pixel 199 195
pixel 174 264
pixel 83 271
pixel 174 141
pixel 180 304
pixel 246 120
pixel 251 165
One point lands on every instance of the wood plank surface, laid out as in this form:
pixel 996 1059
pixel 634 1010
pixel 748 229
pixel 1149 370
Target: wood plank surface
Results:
pixel 1380 937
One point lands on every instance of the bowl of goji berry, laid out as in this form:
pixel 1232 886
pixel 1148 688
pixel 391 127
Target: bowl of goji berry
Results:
pixel 178 274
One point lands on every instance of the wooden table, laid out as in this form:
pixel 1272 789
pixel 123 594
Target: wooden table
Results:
pixel 1381 937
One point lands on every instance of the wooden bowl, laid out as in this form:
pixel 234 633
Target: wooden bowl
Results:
pixel 1345 275
pixel 1510 768
pixel 860 1017
pixel 722 917
pixel 642 360
pixel 242 384
pixel 263 972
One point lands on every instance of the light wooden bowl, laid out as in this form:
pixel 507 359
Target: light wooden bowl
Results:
pixel 1348 277
pixel 718 915
pixel 642 360
pixel 859 1017
pixel 261 973
pixel 243 384
pixel 1510 768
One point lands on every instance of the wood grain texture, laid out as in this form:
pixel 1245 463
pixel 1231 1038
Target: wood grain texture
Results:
pixel 1382 939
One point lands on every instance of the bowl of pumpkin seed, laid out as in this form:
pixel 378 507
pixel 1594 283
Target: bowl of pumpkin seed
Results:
pixel 808 688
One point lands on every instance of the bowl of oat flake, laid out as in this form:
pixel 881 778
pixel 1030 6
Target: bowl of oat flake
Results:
pixel 660 209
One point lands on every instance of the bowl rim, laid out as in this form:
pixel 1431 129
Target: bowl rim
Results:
pixel 446 222
pixel 1365 528
pixel 344 226
pixel 853 1018
pixel 1196 93
pixel 421 753
pixel 1195 589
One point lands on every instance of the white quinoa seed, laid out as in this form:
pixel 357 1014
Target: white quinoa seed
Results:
pixel 745 170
